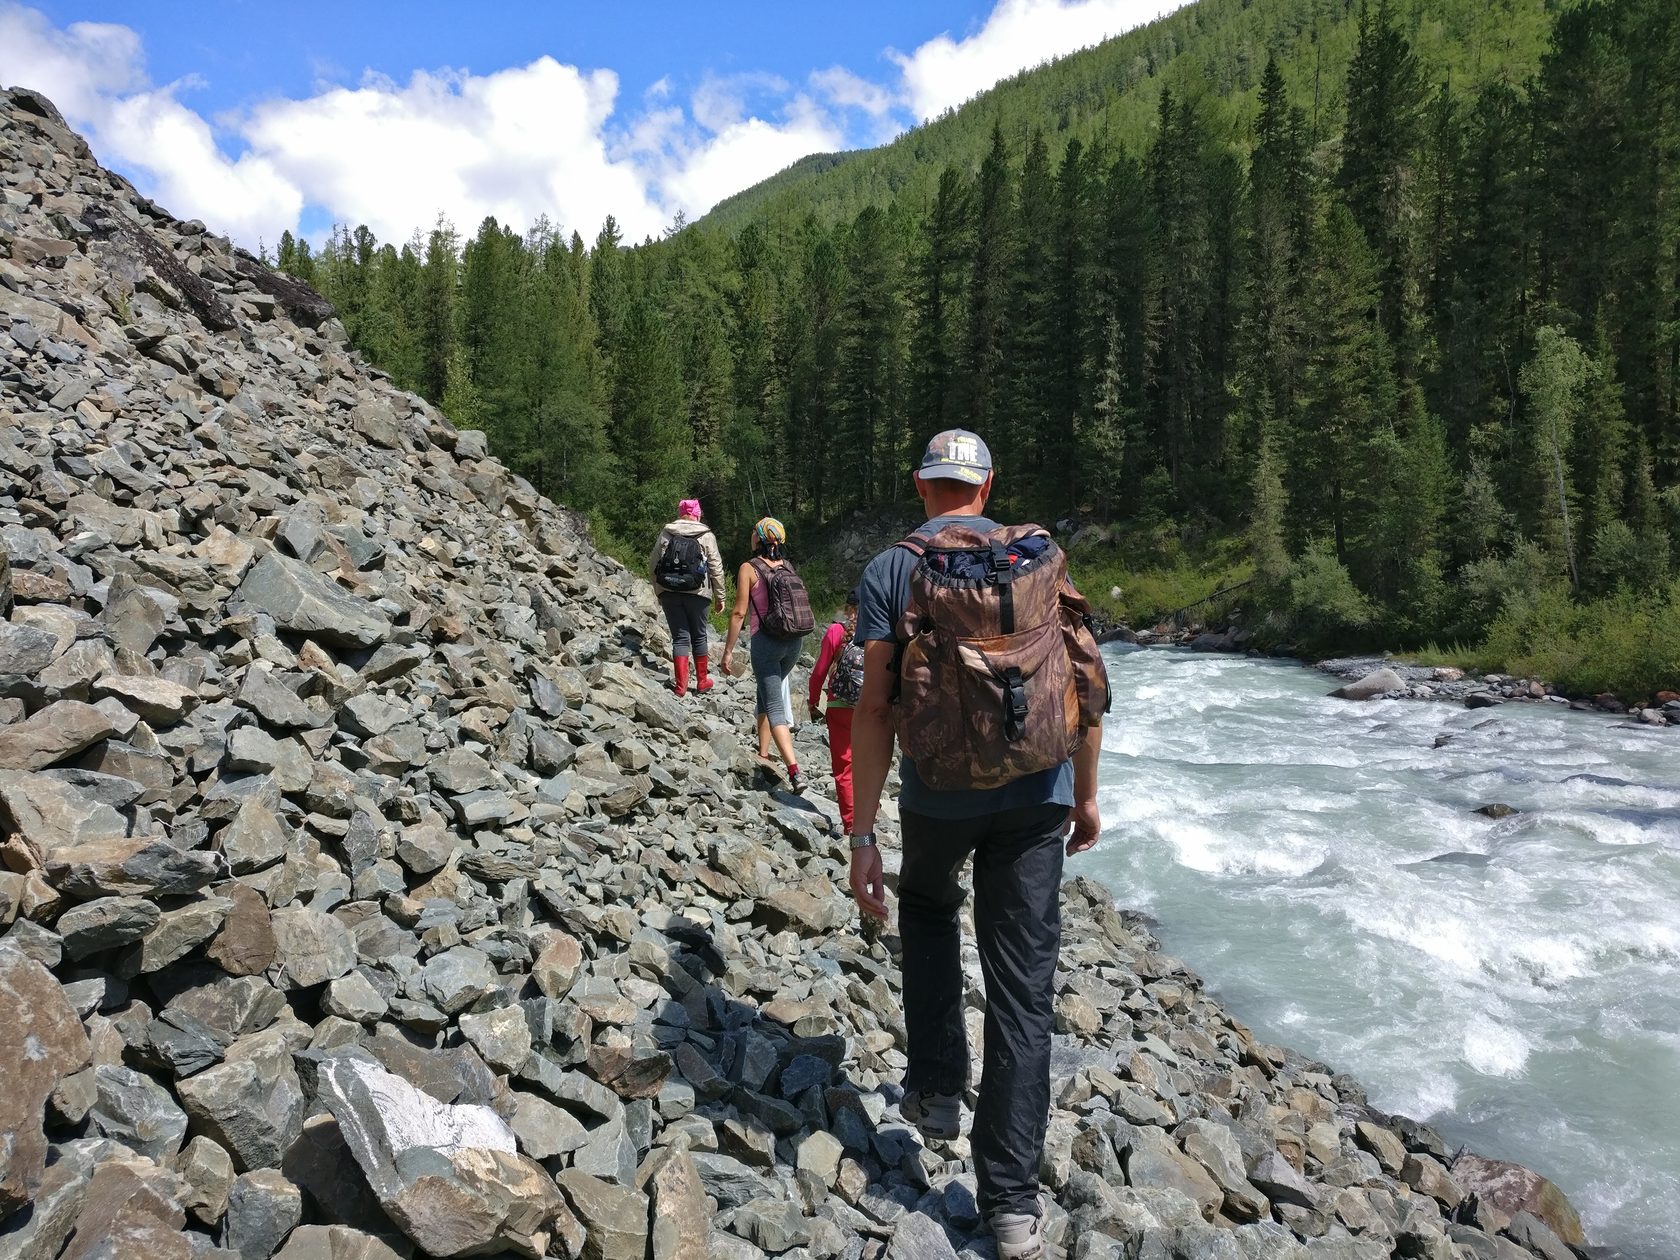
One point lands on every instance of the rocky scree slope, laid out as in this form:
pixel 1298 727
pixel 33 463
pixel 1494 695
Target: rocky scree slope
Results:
pixel 364 893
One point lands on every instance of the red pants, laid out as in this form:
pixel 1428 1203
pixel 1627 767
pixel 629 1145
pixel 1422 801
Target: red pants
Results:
pixel 840 759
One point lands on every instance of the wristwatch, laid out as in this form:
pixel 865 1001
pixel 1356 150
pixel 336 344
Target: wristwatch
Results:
pixel 865 841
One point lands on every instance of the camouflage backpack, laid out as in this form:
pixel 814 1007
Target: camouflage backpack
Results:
pixel 999 673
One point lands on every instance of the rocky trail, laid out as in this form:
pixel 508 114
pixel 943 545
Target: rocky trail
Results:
pixel 367 894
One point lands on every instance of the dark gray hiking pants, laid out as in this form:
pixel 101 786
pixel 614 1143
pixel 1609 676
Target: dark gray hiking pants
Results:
pixel 1018 922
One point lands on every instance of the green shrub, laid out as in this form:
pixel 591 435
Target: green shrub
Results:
pixel 1627 644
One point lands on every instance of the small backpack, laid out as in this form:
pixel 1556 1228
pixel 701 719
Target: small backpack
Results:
pixel 845 682
pixel 787 605
pixel 999 673
pixel 682 566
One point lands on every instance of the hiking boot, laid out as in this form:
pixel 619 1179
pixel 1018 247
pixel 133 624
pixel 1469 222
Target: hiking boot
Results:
pixel 796 785
pixel 1019 1235
pixel 937 1117
pixel 703 676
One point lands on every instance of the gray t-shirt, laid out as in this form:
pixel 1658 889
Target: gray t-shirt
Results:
pixel 883 595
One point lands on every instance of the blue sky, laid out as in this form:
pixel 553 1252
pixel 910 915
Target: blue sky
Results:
pixel 260 118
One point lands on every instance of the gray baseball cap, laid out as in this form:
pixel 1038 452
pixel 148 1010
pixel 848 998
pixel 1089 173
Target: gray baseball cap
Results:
pixel 958 455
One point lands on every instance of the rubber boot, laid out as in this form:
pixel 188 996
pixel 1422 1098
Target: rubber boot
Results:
pixel 680 665
pixel 703 681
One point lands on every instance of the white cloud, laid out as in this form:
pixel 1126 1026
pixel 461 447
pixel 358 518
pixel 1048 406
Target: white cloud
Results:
pixel 852 91
pixel 945 72
pixel 518 143
pixel 539 139
pixel 95 73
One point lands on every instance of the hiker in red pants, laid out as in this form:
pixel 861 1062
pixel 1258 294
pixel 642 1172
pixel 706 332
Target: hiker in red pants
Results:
pixel 839 669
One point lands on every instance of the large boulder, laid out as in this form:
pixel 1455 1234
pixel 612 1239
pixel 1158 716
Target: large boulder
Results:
pixel 1379 682
pixel 1511 1188
pixel 450 1176
pixel 302 601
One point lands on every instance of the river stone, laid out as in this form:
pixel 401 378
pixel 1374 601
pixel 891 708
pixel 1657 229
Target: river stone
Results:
pixel 1426 1175
pixel 302 601
pixel 41 1042
pixel 52 734
pixel 1277 1178
pixel 1512 1188
pixel 1384 1144
pixel 1377 683
pixel 263 1207
pixel 448 1175
pixel 135 1110
pixel 616 1217
pixel 310 948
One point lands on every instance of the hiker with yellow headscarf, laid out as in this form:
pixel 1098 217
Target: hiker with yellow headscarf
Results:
pixel 769 593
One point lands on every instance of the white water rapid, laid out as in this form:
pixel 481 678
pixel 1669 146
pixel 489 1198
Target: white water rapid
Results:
pixel 1516 983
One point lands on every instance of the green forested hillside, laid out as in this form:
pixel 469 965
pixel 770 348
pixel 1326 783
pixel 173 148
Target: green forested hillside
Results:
pixel 1380 304
pixel 1215 51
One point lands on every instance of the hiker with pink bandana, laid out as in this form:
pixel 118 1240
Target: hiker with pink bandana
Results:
pixel 688 577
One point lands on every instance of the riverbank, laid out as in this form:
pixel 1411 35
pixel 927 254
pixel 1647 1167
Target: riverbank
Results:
pixel 368 893
pixel 1394 678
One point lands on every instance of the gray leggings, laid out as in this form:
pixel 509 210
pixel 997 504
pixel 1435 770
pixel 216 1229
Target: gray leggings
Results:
pixel 773 660
pixel 686 617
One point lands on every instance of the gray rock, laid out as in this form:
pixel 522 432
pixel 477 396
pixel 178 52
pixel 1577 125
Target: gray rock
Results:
pixel 251 1103
pixel 208 1173
pixel 449 1176
pixel 53 734
pixel 310 948
pixel 135 1110
pixel 774 1225
pixel 106 923
pixel 615 1217
pixel 918 1237
pixel 1276 1178
pixel 1377 683
pixel 543 1129
pixel 41 1042
pixel 501 1036
pixel 263 1207
pixel 333 1242
pixel 302 601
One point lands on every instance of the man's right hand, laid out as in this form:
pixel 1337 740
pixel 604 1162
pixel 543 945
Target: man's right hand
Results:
pixel 868 884
pixel 1087 826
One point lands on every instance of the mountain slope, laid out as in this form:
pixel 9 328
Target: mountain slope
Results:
pixel 1215 48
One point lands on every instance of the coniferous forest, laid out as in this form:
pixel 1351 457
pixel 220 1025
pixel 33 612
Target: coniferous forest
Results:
pixel 1380 303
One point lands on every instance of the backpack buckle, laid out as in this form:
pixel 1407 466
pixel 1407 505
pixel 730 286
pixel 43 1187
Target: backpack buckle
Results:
pixel 1015 708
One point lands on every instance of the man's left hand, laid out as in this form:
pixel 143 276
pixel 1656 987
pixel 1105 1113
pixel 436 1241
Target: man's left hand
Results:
pixel 1086 827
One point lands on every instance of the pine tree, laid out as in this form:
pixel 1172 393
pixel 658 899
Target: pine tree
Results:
pixel 988 312
pixel 1552 383
pixel 942 262
pixel 870 436
pixel 1381 150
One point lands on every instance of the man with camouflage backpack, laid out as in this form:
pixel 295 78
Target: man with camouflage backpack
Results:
pixel 980 661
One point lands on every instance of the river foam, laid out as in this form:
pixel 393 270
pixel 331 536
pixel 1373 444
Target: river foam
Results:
pixel 1514 981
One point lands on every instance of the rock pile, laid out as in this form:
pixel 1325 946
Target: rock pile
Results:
pixel 1372 678
pixel 366 895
